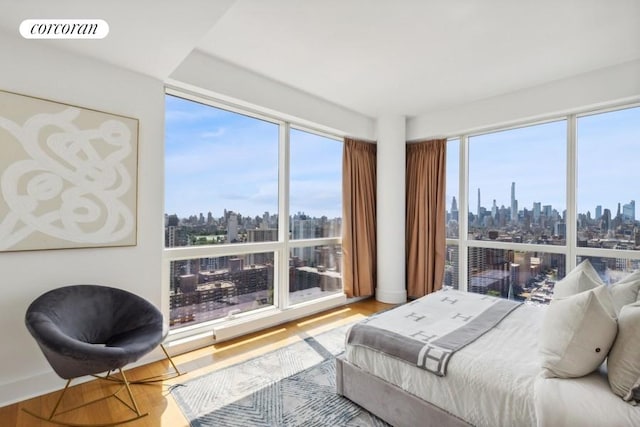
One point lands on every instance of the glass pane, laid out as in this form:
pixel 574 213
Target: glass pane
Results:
pixel 211 288
pixel 608 153
pixel 611 270
pixel 315 186
pixel 520 275
pixel 314 272
pixel 453 187
pixel 221 176
pixel 517 190
pixel 451 265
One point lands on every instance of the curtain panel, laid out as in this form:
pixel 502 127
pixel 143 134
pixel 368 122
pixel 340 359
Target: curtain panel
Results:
pixel 359 217
pixel 426 244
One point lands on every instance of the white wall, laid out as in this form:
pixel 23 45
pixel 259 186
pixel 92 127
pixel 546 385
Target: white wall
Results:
pixel 592 90
pixel 40 71
pixel 226 81
pixel 30 69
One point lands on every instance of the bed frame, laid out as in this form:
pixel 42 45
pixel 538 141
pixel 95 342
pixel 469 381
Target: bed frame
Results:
pixel 389 402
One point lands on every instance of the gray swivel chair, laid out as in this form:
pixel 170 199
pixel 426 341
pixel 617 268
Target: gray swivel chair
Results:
pixel 92 329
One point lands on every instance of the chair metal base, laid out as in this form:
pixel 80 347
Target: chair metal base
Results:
pixel 150 380
pixel 55 414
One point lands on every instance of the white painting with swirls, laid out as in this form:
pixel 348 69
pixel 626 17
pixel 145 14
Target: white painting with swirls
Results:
pixel 67 176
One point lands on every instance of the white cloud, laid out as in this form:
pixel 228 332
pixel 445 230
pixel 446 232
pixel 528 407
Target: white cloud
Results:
pixel 212 134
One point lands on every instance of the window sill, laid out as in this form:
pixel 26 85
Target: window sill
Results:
pixel 191 338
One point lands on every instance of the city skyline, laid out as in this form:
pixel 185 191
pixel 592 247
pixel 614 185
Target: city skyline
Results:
pixel 598 209
pixel 271 215
pixel 535 158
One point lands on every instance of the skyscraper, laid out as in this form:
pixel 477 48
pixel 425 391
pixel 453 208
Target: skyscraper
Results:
pixel 514 203
pixel 598 212
pixel 537 211
pixel 454 209
pixel 232 228
pixel 605 221
pixel 629 211
pixel 479 204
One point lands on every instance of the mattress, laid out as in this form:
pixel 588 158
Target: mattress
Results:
pixel 490 382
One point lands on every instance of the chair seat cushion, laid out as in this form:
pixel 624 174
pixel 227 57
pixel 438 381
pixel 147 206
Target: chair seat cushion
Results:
pixel 139 341
pixel 89 329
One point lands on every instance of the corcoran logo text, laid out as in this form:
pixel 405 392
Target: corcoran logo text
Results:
pixel 64 29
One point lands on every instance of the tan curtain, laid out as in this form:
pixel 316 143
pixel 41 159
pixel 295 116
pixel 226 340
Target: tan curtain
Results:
pixel 359 217
pixel 425 216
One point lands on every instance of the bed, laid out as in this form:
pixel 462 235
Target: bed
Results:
pixel 492 379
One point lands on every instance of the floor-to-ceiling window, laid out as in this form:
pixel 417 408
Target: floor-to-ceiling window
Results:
pixel 315 216
pixel 526 204
pixel 607 228
pixel 252 212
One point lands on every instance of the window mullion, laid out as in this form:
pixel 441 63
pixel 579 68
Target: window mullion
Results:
pixel 572 188
pixel 282 279
pixel 463 214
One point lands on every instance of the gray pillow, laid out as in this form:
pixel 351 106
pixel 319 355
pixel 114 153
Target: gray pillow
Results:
pixel 577 333
pixel 623 363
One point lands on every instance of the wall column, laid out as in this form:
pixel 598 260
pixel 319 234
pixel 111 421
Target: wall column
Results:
pixel 391 206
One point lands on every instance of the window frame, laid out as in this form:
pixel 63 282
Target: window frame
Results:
pixel 281 248
pixel 571 250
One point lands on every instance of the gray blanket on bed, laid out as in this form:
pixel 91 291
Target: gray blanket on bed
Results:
pixel 428 331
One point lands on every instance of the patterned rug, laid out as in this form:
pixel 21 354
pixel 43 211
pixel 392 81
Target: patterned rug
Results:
pixel 292 386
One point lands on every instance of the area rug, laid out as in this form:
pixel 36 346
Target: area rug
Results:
pixel 292 386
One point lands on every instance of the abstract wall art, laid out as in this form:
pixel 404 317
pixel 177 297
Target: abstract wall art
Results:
pixel 68 176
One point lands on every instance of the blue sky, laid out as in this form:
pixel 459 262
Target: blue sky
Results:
pixel 216 160
pixel 535 159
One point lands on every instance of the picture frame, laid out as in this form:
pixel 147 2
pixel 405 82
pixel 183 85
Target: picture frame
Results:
pixel 68 176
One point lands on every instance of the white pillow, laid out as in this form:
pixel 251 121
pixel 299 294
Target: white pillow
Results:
pixel 623 363
pixel 580 279
pixel 626 290
pixel 577 333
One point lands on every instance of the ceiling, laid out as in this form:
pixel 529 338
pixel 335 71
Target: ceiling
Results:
pixel 375 57
pixel 151 37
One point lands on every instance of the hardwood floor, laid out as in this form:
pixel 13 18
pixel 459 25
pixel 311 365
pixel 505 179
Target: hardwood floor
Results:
pixel 156 399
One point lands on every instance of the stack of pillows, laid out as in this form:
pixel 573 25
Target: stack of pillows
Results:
pixel 588 322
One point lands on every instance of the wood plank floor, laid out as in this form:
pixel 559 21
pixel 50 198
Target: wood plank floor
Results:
pixel 156 399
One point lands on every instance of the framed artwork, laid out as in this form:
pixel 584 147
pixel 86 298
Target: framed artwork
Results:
pixel 68 176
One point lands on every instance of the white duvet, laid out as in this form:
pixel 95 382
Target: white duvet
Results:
pixel 489 383
pixel 495 381
pixel 585 402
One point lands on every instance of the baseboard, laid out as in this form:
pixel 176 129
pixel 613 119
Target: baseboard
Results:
pixel 391 296
pixel 33 386
pixel 48 382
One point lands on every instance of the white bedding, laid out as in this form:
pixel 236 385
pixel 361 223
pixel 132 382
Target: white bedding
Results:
pixel 586 402
pixel 489 383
